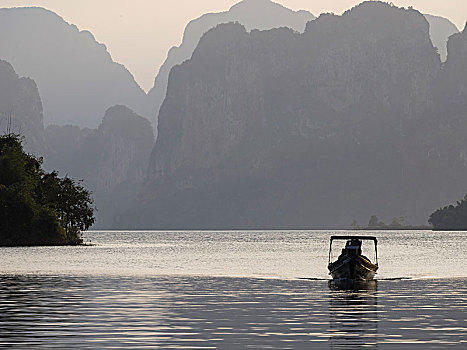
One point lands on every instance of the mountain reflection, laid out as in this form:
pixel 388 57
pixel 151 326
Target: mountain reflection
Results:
pixel 353 316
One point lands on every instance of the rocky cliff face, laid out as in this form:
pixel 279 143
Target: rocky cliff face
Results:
pixel 76 76
pixel 453 77
pixel 111 159
pixel 278 129
pixel 440 31
pixel 62 144
pixel 20 100
pixel 447 128
pixel 118 150
pixel 253 14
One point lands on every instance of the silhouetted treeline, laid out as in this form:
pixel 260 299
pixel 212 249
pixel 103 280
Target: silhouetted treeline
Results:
pixel 396 224
pixel 450 218
pixel 38 208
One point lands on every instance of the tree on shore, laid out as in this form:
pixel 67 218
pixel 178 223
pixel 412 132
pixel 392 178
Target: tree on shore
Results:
pixel 397 223
pixel 374 223
pixel 451 217
pixel 72 204
pixel 37 208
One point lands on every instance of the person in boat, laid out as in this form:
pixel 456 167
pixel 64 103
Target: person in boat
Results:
pixel 352 243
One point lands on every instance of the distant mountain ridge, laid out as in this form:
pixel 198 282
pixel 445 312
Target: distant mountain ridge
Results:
pixel 253 14
pixel 92 83
pixel 111 159
pixel 21 106
pixel 281 130
pixel 260 129
pixel 75 75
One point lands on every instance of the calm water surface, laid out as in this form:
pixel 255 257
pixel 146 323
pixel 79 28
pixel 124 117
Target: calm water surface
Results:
pixel 234 290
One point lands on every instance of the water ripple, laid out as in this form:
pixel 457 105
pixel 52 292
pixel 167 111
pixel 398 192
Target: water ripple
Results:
pixel 44 312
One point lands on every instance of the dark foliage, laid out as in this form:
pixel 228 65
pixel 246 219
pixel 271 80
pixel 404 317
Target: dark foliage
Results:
pixel 450 218
pixel 37 208
pixel 396 224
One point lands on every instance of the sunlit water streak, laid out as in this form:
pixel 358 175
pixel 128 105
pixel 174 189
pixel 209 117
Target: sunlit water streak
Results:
pixel 416 254
pixel 183 290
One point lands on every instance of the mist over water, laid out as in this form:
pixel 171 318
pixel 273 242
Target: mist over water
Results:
pixel 232 290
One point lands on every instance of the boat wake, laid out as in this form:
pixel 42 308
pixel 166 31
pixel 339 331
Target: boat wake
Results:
pixel 376 279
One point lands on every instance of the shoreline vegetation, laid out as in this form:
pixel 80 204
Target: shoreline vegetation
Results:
pixel 396 224
pixel 39 208
pixel 42 209
pixel 451 217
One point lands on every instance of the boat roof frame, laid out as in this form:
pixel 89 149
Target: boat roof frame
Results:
pixel 370 238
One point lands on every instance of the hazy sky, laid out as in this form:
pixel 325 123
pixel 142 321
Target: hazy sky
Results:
pixel 138 33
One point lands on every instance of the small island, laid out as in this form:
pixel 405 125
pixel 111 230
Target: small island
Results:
pixel 39 208
pixel 396 224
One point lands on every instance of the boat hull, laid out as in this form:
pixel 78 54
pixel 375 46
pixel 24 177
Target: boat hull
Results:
pixel 355 268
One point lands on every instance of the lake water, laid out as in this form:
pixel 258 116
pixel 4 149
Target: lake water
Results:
pixel 233 290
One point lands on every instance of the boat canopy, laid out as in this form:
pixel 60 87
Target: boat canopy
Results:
pixel 370 238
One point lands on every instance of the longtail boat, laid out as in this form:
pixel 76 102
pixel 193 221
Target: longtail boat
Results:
pixel 351 265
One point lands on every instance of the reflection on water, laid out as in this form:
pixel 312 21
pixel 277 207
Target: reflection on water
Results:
pixel 82 312
pixel 352 285
pixel 353 314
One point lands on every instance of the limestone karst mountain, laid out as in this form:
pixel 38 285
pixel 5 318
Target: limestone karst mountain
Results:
pixel 77 81
pixel 277 129
pixel 453 78
pixel 253 14
pixel 20 102
pixel 440 31
pixel 63 142
pixel 285 128
pixel 112 159
pixel 450 104
pixel 75 75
